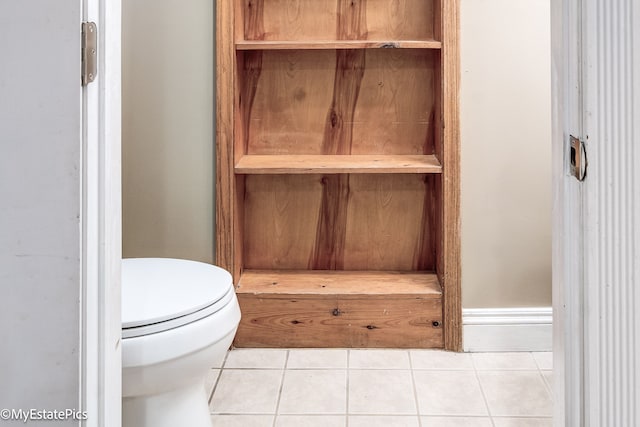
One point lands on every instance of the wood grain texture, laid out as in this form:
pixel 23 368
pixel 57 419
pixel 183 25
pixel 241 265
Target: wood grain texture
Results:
pixel 439 231
pixel 437 19
pixel 238 228
pixel 400 19
pixel 451 175
pixel 331 228
pixel 396 104
pixel 384 284
pixel 351 20
pixel 340 321
pixel 394 110
pixel 280 217
pixel 338 131
pixel 251 65
pixel 382 231
pixel 317 20
pixel 291 102
pixel 339 309
pixel 337 44
pixel 299 20
pixel 253 13
pixel 314 164
pixel 225 178
pixel 426 246
pixel 351 25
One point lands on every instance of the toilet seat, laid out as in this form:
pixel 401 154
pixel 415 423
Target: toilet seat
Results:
pixel 159 294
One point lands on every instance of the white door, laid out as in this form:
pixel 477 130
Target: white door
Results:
pixel 59 211
pixel 596 76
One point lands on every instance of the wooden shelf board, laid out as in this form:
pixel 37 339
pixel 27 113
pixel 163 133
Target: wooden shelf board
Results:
pixel 275 283
pixel 311 164
pixel 336 44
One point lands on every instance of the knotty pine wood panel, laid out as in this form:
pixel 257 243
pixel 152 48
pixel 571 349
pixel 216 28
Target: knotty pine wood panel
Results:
pixel 251 65
pixel 320 19
pixel 327 163
pixel 293 19
pixel 400 19
pixel 333 321
pixel 331 228
pixel 226 121
pixel 238 225
pixel 375 101
pixel 396 106
pixel 336 44
pixel 292 99
pixel 347 284
pixel 280 219
pixel 388 223
pixel 450 250
pixel 338 132
pixel 339 222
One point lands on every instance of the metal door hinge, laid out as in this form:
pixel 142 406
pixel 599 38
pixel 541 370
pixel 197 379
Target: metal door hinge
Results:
pixel 577 158
pixel 89 52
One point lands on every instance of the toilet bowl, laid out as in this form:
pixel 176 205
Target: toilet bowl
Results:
pixel 179 318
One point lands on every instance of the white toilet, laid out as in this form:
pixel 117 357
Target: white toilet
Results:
pixel 178 320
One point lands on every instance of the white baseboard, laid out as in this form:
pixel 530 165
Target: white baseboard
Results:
pixel 507 329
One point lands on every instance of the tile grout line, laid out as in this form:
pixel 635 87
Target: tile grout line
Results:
pixel 547 386
pixel 215 385
pixel 484 396
pixel 247 414
pixel 346 416
pixel 381 414
pixel 536 362
pixel 415 389
pixel 524 417
pixel 213 389
pixel 284 370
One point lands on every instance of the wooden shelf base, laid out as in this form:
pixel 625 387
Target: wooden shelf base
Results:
pixel 339 309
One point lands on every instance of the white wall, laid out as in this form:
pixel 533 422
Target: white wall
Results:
pixel 40 205
pixel 167 128
pixel 506 153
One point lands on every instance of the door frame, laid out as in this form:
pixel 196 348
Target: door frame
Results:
pixel 568 217
pixel 101 371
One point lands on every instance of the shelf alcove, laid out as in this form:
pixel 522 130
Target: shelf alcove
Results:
pixel 337 171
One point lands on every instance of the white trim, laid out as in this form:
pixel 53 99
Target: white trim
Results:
pixel 568 213
pixel 111 226
pixel 507 329
pixel 90 337
pixel 101 328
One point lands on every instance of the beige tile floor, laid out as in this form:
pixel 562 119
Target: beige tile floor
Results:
pixel 370 388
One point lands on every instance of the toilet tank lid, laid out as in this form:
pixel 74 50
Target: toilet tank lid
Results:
pixel 160 289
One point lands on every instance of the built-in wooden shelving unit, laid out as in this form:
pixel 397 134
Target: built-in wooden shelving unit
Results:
pixel 337 171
